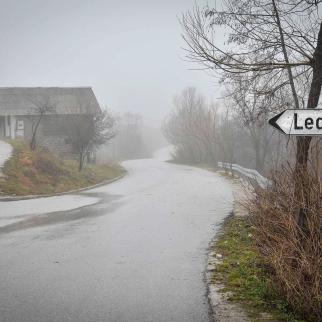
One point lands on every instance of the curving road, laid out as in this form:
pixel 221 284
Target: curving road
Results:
pixel 134 250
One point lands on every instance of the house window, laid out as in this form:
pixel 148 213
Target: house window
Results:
pixel 20 125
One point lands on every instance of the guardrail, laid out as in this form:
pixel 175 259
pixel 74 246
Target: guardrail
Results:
pixel 249 173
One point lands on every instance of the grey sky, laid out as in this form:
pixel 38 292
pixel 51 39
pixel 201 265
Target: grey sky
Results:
pixel 128 51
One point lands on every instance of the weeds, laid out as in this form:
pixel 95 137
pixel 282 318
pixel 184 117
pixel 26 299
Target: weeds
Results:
pixel 294 256
pixel 245 274
pixel 40 172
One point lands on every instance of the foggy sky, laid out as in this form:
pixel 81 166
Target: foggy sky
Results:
pixel 128 51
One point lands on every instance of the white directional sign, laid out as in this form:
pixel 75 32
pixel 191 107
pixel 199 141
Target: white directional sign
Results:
pixel 298 122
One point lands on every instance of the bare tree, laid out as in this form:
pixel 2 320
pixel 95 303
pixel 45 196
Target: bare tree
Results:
pixel 40 109
pixel 235 132
pixel 88 132
pixel 191 127
pixel 281 42
pixel 228 133
pixel 130 139
pixel 252 111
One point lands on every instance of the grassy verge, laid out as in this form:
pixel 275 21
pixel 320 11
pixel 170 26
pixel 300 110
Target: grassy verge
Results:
pixel 245 275
pixel 38 172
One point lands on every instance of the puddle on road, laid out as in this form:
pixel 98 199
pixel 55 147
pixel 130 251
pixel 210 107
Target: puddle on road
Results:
pixel 107 204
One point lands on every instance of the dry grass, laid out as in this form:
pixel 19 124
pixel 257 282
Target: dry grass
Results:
pixel 294 256
pixel 39 172
pixel 244 275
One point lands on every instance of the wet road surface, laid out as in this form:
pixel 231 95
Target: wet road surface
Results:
pixel 134 250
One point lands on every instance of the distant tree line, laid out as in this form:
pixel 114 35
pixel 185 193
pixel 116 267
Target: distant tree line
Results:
pixel 134 139
pixel 230 131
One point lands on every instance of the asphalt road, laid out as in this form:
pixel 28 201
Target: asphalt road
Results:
pixel 134 250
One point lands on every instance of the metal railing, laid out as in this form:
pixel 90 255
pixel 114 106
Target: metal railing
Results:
pixel 248 173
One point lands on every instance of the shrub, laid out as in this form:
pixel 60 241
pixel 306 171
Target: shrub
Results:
pixel 294 256
pixel 48 163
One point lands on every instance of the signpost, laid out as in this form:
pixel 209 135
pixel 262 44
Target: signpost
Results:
pixel 298 122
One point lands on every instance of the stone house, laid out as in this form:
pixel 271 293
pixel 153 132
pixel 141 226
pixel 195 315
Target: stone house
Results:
pixel 20 111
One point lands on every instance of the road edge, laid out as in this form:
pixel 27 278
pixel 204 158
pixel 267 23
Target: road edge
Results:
pixel 75 191
pixel 222 310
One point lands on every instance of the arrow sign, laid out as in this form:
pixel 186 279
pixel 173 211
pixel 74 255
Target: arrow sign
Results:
pixel 298 122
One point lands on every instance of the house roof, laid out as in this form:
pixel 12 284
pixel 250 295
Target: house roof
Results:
pixel 64 100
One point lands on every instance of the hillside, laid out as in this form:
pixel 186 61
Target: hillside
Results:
pixel 30 172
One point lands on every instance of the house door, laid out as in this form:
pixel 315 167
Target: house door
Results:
pixel 20 128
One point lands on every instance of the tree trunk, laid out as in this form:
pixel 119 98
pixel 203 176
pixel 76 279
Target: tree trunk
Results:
pixel 303 143
pixel 81 162
pixel 34 134
pixel 256 145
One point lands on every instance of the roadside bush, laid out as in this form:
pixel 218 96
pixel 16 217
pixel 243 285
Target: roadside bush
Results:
pixel 48 163
pixel 293 256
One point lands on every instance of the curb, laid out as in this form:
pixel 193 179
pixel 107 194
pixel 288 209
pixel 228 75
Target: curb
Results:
pixel 222 310
pixel 103 183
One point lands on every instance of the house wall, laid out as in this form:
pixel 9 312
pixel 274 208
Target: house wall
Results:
pixel 22 126
pixel 14 127
pixel 52 137
pixel 51 133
